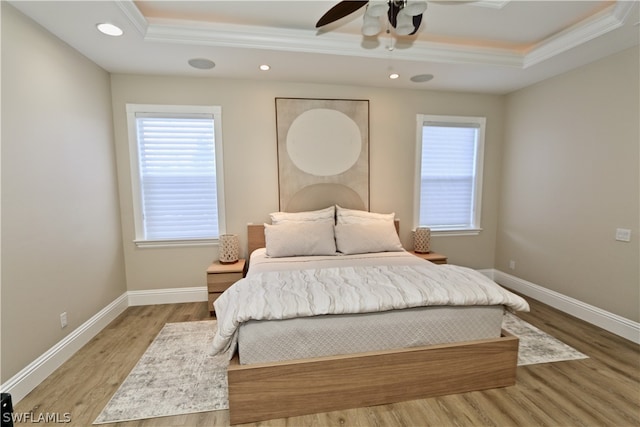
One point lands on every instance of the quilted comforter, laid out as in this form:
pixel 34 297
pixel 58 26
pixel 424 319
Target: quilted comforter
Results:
pixel 285 294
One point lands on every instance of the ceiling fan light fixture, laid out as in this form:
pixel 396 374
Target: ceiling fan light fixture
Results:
pixel 398 12
pixel 371 25
pixel 404 24
pixel 394 76
pixel 377 8
pixel 415 7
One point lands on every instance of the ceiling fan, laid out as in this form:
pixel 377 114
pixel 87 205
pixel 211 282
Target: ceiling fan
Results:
pixel 408 25
pixel 405 16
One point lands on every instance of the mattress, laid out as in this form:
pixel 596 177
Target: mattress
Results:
pixel 264 341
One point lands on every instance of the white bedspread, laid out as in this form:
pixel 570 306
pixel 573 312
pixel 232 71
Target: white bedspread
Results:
pixel 376 286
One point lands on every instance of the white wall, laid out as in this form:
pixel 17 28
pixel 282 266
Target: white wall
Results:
pixel 61 238
pixel 570 178
pixel 250 162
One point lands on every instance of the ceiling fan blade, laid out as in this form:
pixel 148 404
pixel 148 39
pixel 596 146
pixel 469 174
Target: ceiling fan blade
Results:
pixel 392 13
pixel 417 20
pixel 340 10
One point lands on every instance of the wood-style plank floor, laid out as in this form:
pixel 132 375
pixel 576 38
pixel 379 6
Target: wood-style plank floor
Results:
pixel 603 390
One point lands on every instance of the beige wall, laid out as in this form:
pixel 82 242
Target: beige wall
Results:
pixel 250 162
pixel 565 176
pixel 61 238
pixel 570 178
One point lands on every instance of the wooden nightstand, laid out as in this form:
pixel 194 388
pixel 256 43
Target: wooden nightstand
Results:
pixel 432 256
pixel 220 277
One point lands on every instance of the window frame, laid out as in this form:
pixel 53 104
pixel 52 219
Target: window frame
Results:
pixel 161 109
pixel 464 121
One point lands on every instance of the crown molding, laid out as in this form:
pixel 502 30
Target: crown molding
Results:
pixel 252 37
pixel 133 14
pixel 308 41
pixel 596 25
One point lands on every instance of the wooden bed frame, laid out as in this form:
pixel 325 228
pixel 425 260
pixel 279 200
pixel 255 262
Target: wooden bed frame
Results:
pixel 306 386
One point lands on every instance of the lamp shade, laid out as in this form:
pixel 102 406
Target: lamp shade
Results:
pixel 229 248
pixel 422 240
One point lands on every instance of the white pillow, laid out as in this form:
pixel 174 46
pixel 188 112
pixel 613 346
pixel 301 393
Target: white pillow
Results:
pixel 353 216
pixel 367 237
pixel 300 238
pixel 319 215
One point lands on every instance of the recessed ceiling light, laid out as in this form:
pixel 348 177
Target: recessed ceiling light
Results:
pixel 265 67
pixel 421 78
pixel 109 29
pixel 202 63
pixel 394 76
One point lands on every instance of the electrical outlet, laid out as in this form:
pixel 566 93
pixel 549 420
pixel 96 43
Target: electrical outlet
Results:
pixel 512 265
pixel 63 320
pixel 623 234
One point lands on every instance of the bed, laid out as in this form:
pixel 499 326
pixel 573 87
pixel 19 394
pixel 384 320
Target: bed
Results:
pixel 316 360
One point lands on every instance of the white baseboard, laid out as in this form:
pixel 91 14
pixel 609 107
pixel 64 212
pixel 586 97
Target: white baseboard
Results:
pixel 596 316
pixel 168 296
pixel 37 371
pixel 31 376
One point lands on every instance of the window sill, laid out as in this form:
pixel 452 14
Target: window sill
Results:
pixel 465 232
pixel 175 243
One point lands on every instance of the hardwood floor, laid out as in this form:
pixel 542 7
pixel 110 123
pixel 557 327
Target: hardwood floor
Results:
pixel 603 390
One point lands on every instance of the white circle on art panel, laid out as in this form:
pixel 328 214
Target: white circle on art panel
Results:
pixel 324 142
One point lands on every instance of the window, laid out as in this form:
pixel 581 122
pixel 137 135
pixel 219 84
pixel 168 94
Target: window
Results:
pixel 449 173
pixel 176 174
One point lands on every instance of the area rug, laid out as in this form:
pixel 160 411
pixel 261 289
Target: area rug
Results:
pixel 536 346
pixel 178 375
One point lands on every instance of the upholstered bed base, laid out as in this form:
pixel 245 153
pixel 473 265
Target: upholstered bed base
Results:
pixel 302 338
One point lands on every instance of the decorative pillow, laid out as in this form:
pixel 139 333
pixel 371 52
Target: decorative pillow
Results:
pixel 373 236
pixel 353 216
pixel 319 215
pixel 300 238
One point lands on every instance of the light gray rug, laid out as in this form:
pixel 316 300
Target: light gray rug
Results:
pixel 178 375
pixel 536 346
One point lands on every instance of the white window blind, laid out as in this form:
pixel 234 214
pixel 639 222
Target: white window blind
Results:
pixel 450 172
pixel 178 188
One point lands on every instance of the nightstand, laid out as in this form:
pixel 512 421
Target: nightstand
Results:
pixel 432 256
pixel 220 277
